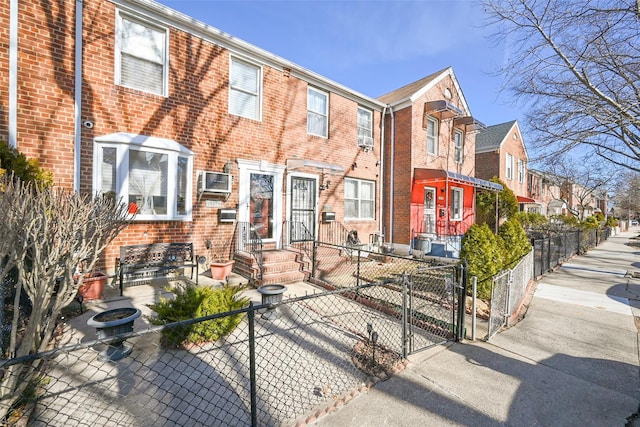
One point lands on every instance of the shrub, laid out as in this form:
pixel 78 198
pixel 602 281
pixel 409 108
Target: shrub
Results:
pixel 28 170
pixel 486 205
pixel 590 223
pixel 531 220
pixel 515 242
pixel 192 302
pixel 611 221
pixel 483 253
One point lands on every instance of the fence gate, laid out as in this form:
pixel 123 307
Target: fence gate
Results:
pixel 432 313
pixel 499 303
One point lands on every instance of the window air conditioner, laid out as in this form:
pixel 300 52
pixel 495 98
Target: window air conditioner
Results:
pixel 215 182
pixel 365 142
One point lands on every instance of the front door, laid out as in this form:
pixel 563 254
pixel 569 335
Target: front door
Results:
pixel 429 216
pixel 302 225
pixel 260 199
pixel 261 204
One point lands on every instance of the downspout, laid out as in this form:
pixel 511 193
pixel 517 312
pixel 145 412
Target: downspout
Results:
pixel 391 170
pixel 381 172
pixel 13 75
pixel 78 98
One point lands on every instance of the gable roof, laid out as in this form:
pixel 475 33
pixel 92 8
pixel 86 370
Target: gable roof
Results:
pixel 408 94
pixel 492 137
pixel 406 91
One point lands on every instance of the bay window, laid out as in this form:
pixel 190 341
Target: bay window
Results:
pixel 152 175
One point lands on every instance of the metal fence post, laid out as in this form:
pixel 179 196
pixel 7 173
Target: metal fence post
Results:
pixel 252 365
pixel 405 339
pixel 462 300
pixel 358 269
pixel 474 291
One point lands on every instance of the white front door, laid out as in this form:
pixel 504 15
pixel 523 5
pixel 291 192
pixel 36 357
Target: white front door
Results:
pixel 260 198
pixel 429 215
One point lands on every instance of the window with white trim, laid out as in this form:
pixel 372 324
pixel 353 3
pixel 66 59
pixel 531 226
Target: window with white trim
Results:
pixel 432 135
pixel 317 112
pixel 458 143
pixel 152 175
pixel 359 198
pixel 456 204
pixel 521 171
pixel 245 87
pixel 365 128
pixel 141 56
pixel 508 173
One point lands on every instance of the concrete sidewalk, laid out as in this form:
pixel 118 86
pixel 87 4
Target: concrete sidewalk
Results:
pixel 572 361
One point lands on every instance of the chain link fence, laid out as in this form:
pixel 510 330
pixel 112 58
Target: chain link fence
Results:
pixel 281 363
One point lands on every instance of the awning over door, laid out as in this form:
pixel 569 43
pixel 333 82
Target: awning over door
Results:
pixel 293 164
pixel 426 176
pixel 526 200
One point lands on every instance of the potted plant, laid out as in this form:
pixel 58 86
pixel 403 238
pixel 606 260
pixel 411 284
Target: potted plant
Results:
pixel 91 283
pixel 220 260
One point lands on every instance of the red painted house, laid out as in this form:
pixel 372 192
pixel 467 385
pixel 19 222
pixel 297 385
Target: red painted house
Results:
pixel 429 165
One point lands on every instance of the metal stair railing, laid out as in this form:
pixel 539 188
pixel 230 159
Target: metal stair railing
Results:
pixel 248 240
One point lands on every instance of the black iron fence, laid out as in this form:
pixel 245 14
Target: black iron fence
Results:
pixel 551 251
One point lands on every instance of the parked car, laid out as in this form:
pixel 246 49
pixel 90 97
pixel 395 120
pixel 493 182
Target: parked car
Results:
pixel 634 222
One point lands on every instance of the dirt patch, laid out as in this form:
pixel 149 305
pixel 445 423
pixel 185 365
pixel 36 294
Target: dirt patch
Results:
pixel 374 360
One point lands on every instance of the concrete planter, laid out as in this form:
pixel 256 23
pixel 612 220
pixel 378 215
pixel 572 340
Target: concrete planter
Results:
pixel 272 295
pixel 112 323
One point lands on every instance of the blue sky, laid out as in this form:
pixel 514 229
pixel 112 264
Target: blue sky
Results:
pixel 373 47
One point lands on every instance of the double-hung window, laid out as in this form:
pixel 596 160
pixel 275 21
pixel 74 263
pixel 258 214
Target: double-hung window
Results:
pixel 509 167
pixel 317 112
pixel 520 171
pixel 245 86
pixel 359 199
pixel 432 135
pixel 365 128
pixel 141 56
pixel 458 149
pixel 456 204
pixel 152 175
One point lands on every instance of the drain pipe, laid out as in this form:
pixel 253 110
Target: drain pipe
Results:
pixel 381 172
pixel 77 134
pixel 13 74
pixel 391 170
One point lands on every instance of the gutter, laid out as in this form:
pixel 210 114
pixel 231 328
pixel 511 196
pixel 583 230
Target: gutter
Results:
pixel 391 175
pixel 381 172
pixel 13 74
pixel 77 133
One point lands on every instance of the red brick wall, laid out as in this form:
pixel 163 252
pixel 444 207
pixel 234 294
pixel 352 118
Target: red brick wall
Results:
pixel 410 153
pixel 45 84
pixel 195 114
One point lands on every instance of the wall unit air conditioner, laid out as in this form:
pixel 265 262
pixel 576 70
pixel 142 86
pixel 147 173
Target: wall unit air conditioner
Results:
pixel 215 182
pixel 365 142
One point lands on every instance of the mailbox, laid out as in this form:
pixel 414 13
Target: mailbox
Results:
pixel 227 215
pixel 328 216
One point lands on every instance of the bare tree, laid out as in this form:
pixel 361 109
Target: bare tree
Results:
pixel 627 196
pixel 582 182
pixel 576 65
pixel 47 233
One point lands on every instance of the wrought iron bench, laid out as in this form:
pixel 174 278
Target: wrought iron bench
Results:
pixel 141 263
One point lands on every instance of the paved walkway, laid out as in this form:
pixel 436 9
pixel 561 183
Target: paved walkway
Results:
pixel 572 361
